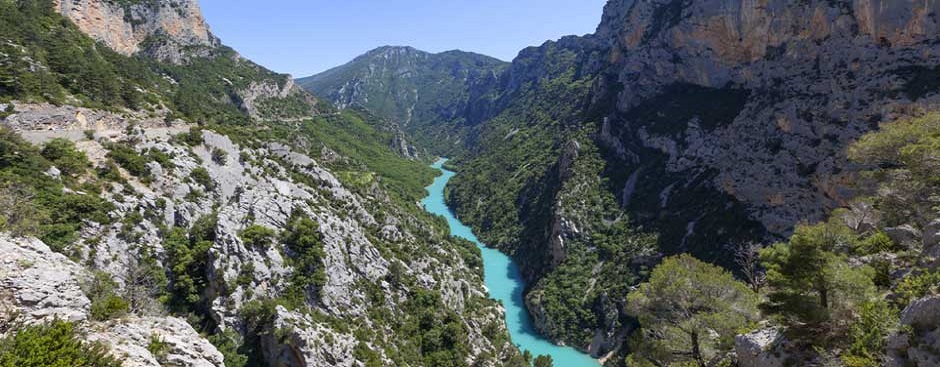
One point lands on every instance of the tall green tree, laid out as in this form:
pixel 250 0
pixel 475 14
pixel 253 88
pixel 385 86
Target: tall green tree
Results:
pixel 810 278
pixel 689 312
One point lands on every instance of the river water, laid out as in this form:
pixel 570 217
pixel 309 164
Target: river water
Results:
pixel 505 284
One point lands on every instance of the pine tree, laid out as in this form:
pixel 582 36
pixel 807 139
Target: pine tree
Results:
pixel 689 312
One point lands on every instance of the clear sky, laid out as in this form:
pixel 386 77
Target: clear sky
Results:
pixel 304 37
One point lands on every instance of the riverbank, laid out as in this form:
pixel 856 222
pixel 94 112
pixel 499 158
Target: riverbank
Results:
pixel 505 284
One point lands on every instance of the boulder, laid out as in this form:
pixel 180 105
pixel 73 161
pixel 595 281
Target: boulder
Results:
pixel 932 234
pixel 903 235
pixel 760 348
pixel 922 313
pixel 917 345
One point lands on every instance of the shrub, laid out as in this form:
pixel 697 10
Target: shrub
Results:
pixel 108 307
pixel 876 243
pixel 105 303
pixel 219 156
pixel 128 158
pixel 201 176
pixel 257 236
pixel 876 321
pixel 63 154
pixel 917 286
pixel 9 110
pixel 19 214
pixel 158 348
pixel 228 343
pixel 53 344
pixel 193 137
pixel 302 238
pixel 162 158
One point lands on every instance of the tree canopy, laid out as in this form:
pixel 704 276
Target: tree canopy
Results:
pixel 689 312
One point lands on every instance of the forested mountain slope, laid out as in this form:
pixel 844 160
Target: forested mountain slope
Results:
pixel 434 97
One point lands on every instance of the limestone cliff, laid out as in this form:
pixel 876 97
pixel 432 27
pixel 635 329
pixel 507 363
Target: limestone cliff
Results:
pixel 161 28
pixel 770 91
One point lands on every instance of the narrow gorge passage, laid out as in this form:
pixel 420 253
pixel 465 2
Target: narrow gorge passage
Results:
pixel 504 283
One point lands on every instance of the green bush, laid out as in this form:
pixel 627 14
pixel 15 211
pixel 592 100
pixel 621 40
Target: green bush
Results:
pixel 228 342
pixel 128 158
pixel 186 256
pixel 32 204
pixel 917 286
pixel 257 236
pixel 876 321
pixel 56 344
pixel 201 176
pixel 219 156
pixel 193 137
pixel 157 347
pixel 106 304
pixel 302 239
pixel 875 243
pixel 63 154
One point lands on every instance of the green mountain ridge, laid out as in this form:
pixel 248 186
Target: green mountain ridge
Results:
pixel 427 94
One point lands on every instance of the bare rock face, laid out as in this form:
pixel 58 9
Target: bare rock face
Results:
pixel 39 283
pixel 183 346
pixel 306 343
pixel 905 235
pixel 757 100
pixel 161 28
pixel 759 349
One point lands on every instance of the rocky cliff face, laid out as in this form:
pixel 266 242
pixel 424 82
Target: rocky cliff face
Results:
pixel 770 92
pixel 161 29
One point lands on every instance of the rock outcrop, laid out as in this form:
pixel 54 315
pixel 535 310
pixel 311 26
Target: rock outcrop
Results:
pixel 161 28
pixel 264 185
pixel 917 345
pixel 40 285
pixel 720 121
pixel 304 343
pixel 131 340
pixel 761 348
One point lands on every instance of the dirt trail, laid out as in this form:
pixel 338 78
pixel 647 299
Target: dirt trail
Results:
pixel 42 136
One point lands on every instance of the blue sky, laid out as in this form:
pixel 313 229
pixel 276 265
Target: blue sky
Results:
pixel 304 37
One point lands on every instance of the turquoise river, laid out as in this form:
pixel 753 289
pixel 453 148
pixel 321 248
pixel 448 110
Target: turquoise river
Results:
pixel 505 284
